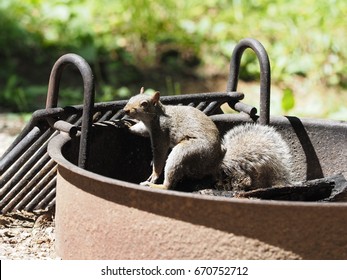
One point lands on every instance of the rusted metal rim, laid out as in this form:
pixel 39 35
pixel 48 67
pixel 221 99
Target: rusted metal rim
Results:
pixel 55 151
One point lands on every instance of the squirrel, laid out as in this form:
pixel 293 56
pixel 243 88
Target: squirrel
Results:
pixel 248 157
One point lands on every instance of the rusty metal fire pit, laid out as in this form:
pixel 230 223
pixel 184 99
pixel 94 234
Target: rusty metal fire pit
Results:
pixel 103 213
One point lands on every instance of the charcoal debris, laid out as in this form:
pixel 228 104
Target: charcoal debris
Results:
pixel 329 189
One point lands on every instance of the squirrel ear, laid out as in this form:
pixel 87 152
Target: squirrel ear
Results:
pixel 142 90
pixel 156 97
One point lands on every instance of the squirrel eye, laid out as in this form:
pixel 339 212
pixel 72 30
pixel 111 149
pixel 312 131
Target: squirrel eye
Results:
pixel 144 103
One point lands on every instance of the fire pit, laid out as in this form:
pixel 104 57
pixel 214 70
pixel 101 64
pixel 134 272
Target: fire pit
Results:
pixel 103 213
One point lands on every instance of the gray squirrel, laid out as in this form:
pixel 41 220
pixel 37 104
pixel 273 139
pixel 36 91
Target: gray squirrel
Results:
pixel 249 156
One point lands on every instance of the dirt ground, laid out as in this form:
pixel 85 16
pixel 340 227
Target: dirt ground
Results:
pixel 27 236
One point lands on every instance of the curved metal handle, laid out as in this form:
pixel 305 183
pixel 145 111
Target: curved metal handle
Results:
pixel 265 74
pixel 88 103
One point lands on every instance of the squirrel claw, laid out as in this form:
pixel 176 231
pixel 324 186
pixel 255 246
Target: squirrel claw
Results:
pixel 145 183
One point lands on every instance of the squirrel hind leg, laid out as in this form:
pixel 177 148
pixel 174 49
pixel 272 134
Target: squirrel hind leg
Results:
pixel 187 160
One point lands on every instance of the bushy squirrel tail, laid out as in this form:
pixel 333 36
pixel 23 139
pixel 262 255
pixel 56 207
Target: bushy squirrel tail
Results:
pixel 256 156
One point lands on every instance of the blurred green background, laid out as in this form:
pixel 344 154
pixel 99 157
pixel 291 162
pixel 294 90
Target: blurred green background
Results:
pixel 176 46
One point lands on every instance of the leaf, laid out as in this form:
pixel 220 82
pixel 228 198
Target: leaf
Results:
pixel 288 99
pixel 124 92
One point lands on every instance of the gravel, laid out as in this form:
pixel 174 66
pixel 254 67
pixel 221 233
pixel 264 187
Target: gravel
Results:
pixel 27 236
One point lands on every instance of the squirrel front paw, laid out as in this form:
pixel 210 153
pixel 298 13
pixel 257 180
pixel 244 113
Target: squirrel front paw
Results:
pixel 154 186
pixel 145 183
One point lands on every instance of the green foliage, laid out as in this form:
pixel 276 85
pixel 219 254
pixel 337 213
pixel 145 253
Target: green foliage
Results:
pixel 132 42
pixel 288 99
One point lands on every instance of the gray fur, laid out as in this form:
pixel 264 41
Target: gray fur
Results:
pixel 256 157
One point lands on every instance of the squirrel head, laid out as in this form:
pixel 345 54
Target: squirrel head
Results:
pixel 143 107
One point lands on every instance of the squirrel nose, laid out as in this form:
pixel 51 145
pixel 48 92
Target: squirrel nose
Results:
pixel 126 111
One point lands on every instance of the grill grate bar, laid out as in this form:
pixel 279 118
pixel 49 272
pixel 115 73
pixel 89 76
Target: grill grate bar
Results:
pixel 23 164
pixel 106 116
pixel 26 181
pixel 36 195
pixel 211 108
pixel 118 115
pixel 17 151
pixel 47 201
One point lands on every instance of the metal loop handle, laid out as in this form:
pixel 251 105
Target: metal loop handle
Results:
pixel 265 74
pixel 88 103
